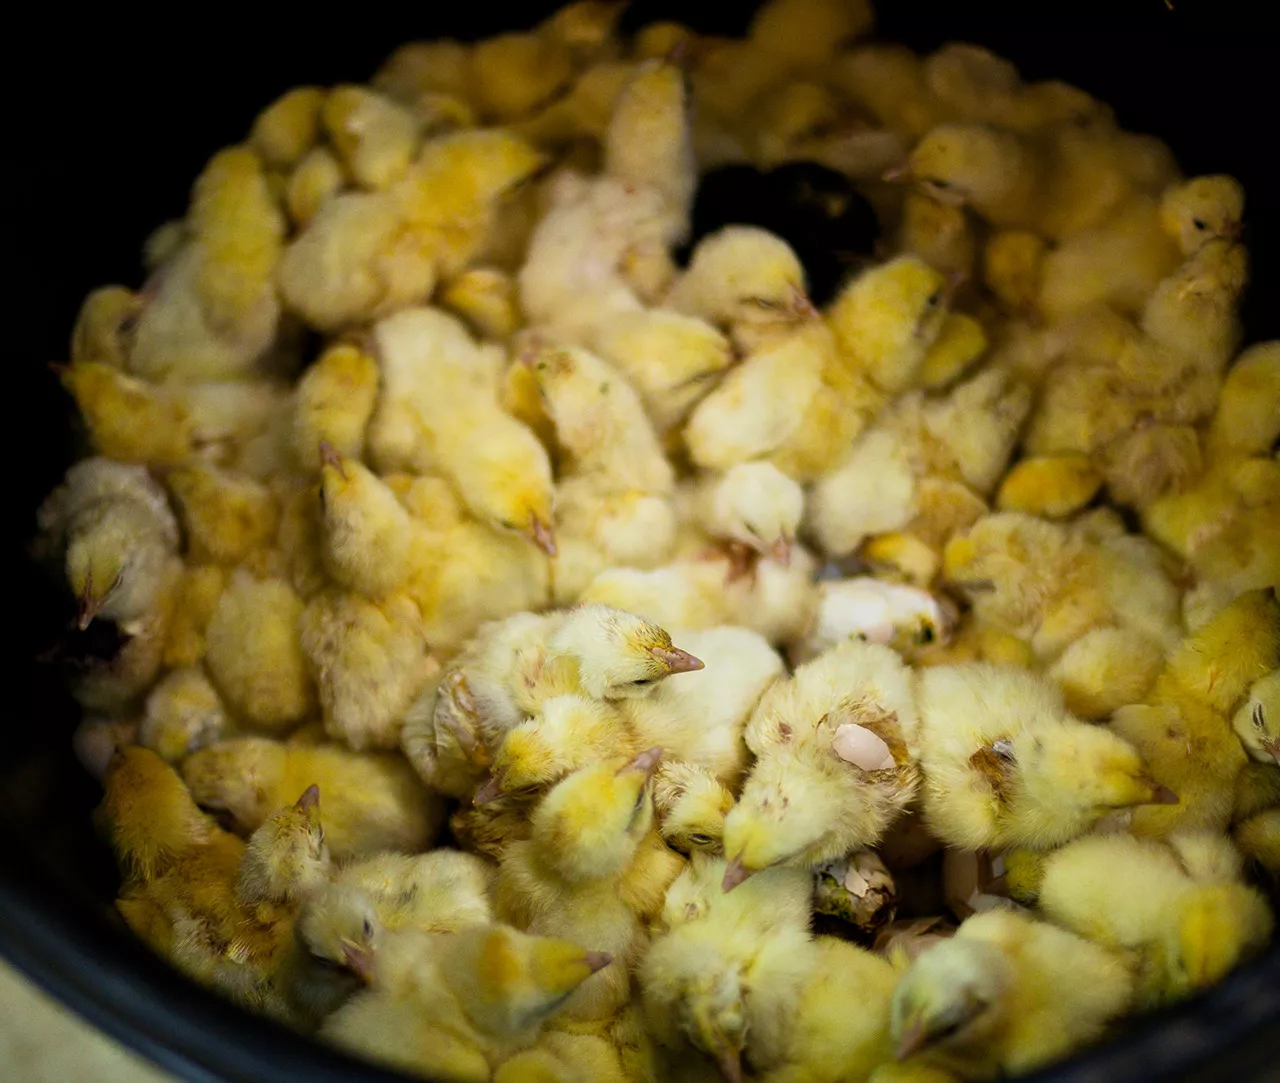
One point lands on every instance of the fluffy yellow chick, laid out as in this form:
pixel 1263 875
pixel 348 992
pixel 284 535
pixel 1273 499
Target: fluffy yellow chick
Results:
pixel 1247 419
pixel 1012 263
pixel 316 179
pixel 511 75
pixel 368 660
pixel 456 1006
pixel 567 879
pixel 966 437
pixel 227 517
pixel 1061 589
pixel 182 713
pixel 419 66
pixel 1258 838
pixel 1186 931
pixel 103 331
pixel 1257 722
pixel 213 311
pixel 1193 310
pixel 116 542
pixel 254 653
pixel 374 136
pixel 938 233
pixel 440 891
pixel 690 804
pixel 436 394
pixel 1184 729
pixel 195 601
pixel 373 800
pixel 1005 765
pixel 128 419
pixel 1007 995
pixel 366 533
pixel 960 343
pixel 333 403
pixel 486 298
pixel 1054 486
pixel 671 359
pixel 753 505
pixel 289 127
pixel 285 858
pixel 887 318
pixel 745 280
pixel 832 764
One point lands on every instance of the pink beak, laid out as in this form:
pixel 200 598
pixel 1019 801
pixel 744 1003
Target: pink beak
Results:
pixel 330 457
pixel 542 536
pixel 598 960
pixel 899 174
pixel 646 762
pixel 912 1041
pixel 676 660
pixel 1273 747
pixel 735 872
pixel 781 551
pixel 1162 795
pixel 489 790
pixel 310 797
pixel 88 610
pixel 729 1061
pixel 359 961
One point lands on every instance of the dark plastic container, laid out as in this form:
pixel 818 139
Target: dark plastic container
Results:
pixel 109 117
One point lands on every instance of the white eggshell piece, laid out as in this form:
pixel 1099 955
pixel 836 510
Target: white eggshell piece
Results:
pixel 862 748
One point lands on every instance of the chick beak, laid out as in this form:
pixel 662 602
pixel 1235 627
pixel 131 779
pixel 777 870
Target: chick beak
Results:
pixel 597 960
pixel 489 790
pixel 801 307
pixel 780 551
pixel 676 660
pixel 1272 748
pixel 1234 232
pixel 913 1039
pixel 955 279
pixel 89 607
pixel 898 174
pixel 541 535
pixel 310 798
pixel 359 960
pixel 330 457
pixel 646 762
pixel 1161 795
pixel 735 872
pixel 729 1061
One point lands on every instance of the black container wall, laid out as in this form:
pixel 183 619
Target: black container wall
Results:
pixel 110 115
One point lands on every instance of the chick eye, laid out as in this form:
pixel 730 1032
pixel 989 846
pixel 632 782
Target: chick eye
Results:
pixel 1260 718
pixel 507 523
pixel 937 183
pixel 368 928
pixel 1198 223
pixel 765 303
pixel 935 299
pixel 643 681
pixel 701 840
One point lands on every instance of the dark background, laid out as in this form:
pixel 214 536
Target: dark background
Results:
pixel 108 116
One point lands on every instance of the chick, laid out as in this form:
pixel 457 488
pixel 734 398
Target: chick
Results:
pixel 227 517
pixel 753 505
pixel 832 764
pixel 1012 268
pixel 690 804
pixel 938 233
pixel 1005 765
pixel 435 395
pixel 961 342
pixel 1007 995
pixel 745 280
pixel 285 859
pixel 671 359
pixel 437 892
pixel 373 800
pixel 570 877
pixel 369 660
pixel 457 1006
pixel 1054 486
pixel 1247 419
pixel 1258 838
pixel 374 136
pixel 289 127
pixel 182 713
pixel 873 610
pixel 510 75
pixel 333 403
pixel 128 419
pixel 1133 894
pixel 104 326
pixel 486 298
pixel 886 319
pixel 366 533
pixel 254 653
pixel 213 312
pixel 1257 722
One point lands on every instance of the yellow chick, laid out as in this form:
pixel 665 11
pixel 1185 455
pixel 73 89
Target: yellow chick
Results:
pixel 182 713
pixel 671 359
pixel 511 75
pixel 297 550
pixel 1007 995
pixel 960 343
pixel 419 66
pixel 938 233
pixel 103 331
pixel 1247 419
pixel 366 532
pixel 1257 722
pixel 254 653
pixel 745 280
pixel 486 298
pixel 437 892
pixel 1101 610
pixel 457 1006
pixel 312 183
pixel 832 766
pixel 1005 765
pixel 128 419
pixel 375 137
pixel 690 804
pixel 227 517
pixel 1053 486
pixel 1193 310
pixel 1187 931
pixel 1258 838
pixel 436 394
pixel 374 801
pixel 213 311
pixel 285 859
pixel 567 879
pixel 368 660
pixel 753 505
pixel 333 403
pixel 289 127
pixel 1012 266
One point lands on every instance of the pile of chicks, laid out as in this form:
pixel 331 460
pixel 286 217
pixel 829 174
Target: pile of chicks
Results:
pixel 573 616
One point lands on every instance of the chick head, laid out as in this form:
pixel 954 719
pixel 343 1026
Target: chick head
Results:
pixel 965 163
pixel 104 328
pixel 711 1009
pixel 691 805
pixel 1004 563
pixel 952 998
pixel 285 857
pixel 338 928
pixel 542 750
pixel 235 777
pixel 757 505
pixel 1203 209
pixel 781 818
pixel 508 980
pixel 1257 722
pixel 618 654
pixel 588 826
pixel 1220 925
pixel 1082 772
pixel 109 560
pixel 749 276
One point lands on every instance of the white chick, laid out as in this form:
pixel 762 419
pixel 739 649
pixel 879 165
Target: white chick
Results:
pixel 875 611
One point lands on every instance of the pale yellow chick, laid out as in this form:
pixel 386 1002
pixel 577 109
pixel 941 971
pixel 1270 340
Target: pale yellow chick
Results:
pixel 690 804
pixel 437 892
pixel 228 518
pixel 366 533
pixel 375 137
pixel 128 419
pixel 333 403
pixel 182 713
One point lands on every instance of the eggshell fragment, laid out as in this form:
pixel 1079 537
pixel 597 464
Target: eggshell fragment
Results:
pixel 862 748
